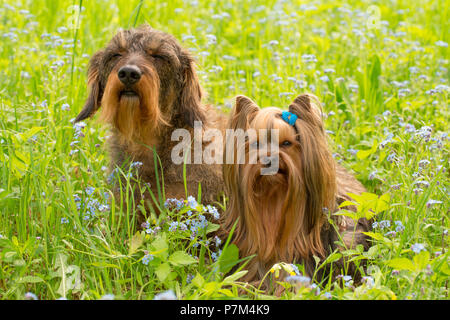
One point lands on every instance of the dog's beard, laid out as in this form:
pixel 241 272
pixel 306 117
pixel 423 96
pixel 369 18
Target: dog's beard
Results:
pixel 271 208
pixel 137 117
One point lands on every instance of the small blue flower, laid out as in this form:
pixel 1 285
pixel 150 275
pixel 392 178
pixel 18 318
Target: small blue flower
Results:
pixel 173 226
pixel 385 224
pixel 64 220
pixel 136 164
pixel 399 226
pixel 301 280
pixel 324 78
pixel 327 295
pixel 432 202
pixel 147 258
pixel 89 190
pixel 441 43
pixel 172 203
pixel 373 174
pixel 167 295
pixel 217 241
pixel 30 296
pixel 417 247
pixel 368 280
pixel 213 210
pixel 191 202
pixel 347 278
pixel 297 272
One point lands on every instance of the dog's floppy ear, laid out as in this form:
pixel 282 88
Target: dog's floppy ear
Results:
pixel 243 112
pixel 318 168
pixel 95 95
pixel 191 94
pixel 307 107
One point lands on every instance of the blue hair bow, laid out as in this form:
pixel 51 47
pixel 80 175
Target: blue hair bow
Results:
pixel 289 117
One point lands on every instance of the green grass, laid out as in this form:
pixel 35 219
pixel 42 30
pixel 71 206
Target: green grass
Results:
pixel 385 93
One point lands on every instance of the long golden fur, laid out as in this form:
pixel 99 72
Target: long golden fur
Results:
pixel 284 217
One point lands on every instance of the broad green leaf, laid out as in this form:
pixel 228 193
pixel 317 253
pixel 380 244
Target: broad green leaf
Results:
pixel 333 257
pixel 363 154
pixel 347 213
pixel 159 246
pixel 235 276
pixel 212 227
pixel 135 242
pixel 374 235
pixel 70 275
pixel 226 292
pixel 181 258
pixel 421 260
pixel 347 203
pixel 229 258
pixel 198 281
pixel 401 264
pixel 163 271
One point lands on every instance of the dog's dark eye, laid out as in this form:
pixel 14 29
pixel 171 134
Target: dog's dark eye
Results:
pixel 286 143
pixel 116 55
pixel 157 56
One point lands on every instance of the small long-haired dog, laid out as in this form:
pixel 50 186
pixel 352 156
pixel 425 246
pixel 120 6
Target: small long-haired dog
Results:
pixel 146 86
pixel 283 217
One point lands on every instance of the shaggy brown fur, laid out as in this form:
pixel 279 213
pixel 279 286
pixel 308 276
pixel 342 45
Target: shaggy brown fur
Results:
pixel 284 217
pixel 147 87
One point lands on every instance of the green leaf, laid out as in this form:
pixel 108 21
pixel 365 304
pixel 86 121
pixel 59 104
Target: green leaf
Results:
pixel 347 213
pixel 30 132
pixel 374 235
pixel 421 260
pixel 347 203
pixel 159 247
pixel 198 281
pixel 135 242
pixel 228 258
pixel 30 279
pixel 235 276
pixel 333 257
pixel 363 154
pixel 212 227
pixel 163 271
pixel 181 258
pixel 70 275
pixel 401 264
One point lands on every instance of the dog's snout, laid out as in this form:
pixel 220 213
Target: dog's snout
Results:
pixel 129 75
pixel 269 160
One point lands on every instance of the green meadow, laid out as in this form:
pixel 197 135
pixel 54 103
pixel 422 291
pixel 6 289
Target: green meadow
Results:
pixel 381 71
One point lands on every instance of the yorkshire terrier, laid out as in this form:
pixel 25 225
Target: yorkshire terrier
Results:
pixel 282 214
pixel 147 87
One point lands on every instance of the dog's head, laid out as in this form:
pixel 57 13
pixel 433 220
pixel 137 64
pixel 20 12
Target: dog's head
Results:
pixel 143 80
pixel 280 197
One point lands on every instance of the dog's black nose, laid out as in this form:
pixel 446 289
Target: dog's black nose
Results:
pixel 129 75
pixel 269 160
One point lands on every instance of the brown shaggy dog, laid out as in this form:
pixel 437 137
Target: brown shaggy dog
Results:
pixel 283 217
pixel 146 86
